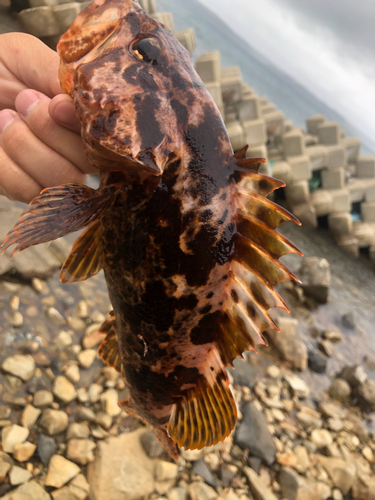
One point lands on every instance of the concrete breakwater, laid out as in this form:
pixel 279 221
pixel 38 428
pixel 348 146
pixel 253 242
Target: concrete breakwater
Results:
pixel 329 183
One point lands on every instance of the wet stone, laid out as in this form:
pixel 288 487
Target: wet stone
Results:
pixel 104 420
pixel 321 437
pixel 151 444
pixel 258 488
pixel 366 394
pixel 80 451
pixel 53 421
pixel 109 401
pixel 331 409
pixel 79 487
pixel 86 358
pixel 4 469
pixel 340 390
pixel 18 475
pixel 332 335
pixel 244 373
pixel 316 278
pixel 72 373
pixel 12 435
pixel 317 362
pixel 165 471
pixel 46 448
pixel 326 347
pixel 60 471
pixel 298 386
pixel 78 431
pixel 64 390
pixel 86 414
pixel 92 336
pixel 28 491
pixel 201 491
pixel 4 412
pixel 30 416
pixel 43 399
pixel 19 365
pixel 56 318
pixel 23 451
pixel 63 340
pixel 94 392
pixel 200 469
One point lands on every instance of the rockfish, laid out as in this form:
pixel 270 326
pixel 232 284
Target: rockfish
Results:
pixel 181 226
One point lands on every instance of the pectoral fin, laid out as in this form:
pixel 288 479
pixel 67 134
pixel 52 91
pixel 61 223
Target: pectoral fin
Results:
pixel 109 349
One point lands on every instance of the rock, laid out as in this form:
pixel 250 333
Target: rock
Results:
pixel 92 336
pixel 368 454
pixel 366 394
pixel 333 410
pixel 4 412
pixel 17 475
pixel 121 469
pixel 340 390
pixel 109 401
pixel 335 424
pixel 19 365
pixel 178 493
pixel 321 437
pixel 201 491
pixel 244 373
pixel 303 461
pixel 253 434
pixel 86 357
pixel 60 471
pixel 53 421
pixel 201 469
pixel 165 471
pixel 71 372
pixel 104 420
pixel 61 494
pixel 56 318
pixel 324 491
pixel 64 390
pixel 364 487
pixel 358 427
pixel 317 362
pixel 86 414
pixel 315 275
pixel 332 335
pixel 43 399
pixel 295 487
pixel 348 320
pixel 326 347
pixel 273 371
pixel 151 444
pixel 342 473
pixel 29 491
pixel 4 469
pixel 354 375
pixel 23 451
pixel 287 343
pixel 298 386
pixel 46 448
pixel 257 487
pixel 94 392
pixel 63 340
pixel 30 416
pixel 11 435
pixel 80 451
pixel 78 430
pixel 79 487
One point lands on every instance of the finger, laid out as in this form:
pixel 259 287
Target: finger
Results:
pixel 43 164
pixel 33 108
pixel 63 112
pixel 16 184
pixel 33 63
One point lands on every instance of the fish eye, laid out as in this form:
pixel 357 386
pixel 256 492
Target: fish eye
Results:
pixel 147 50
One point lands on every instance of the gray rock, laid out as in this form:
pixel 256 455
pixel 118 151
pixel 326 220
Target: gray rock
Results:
pixel 348 321
pixel 151 444
pixel 200 469
pixel 317 362
pixel 316 278
pixel 295 487
pixel 326 347
pixel 244 373
pixel 253 434
pixel 46 448
pixel 287 343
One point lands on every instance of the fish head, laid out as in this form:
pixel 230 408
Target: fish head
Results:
pixel 132 82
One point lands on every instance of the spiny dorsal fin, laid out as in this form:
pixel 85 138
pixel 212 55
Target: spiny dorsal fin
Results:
pixel 86 258
pixel 109 349
pixel 205 417
pixel 57 212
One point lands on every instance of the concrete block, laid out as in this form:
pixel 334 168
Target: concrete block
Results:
pixel 306 213
pixel 349 244
pixel 369 190
pixel 66 13
pixel 356 188
pixel 318 157
pixel 368 211
pixel 249 108
pixel 208 67
pixel 258 151
pixel 275 123
pixel 247 91
pixel 165 18
pixel 352 146
pixel 333 178
pixel 365 234
pixel 300 167
pixel 236 135
pixel 231 83
pixel 255 131
pixel 293 143
pixel 340 223
pixel 313 123
pixel 214 88
pixel 366 166
pixel 321 199
pixel 297 193
pixel 336 156
pixel 340 200
pixel 39 21
pixel 268 108
pixel 329 133
pixel 187 39
pixel 281 170
pixel 310 140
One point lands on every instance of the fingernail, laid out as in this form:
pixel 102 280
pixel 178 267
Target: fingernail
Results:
pixel 6 117
pixel 26 101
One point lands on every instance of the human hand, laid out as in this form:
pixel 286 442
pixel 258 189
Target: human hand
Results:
pixel 40 145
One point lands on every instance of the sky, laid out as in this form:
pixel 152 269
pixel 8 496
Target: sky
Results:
pixel 326 45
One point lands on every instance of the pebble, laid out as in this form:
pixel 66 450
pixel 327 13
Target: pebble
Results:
pixel 60 471
pixel 78 430
pixel 46 448
pixel 104 419
pixel 4 412
pixel 64 390
pixel 14 303
pixel 335 424
pixel 53 421
pixel 317 361
pixel 80 451
pixel 79 487
pixel 71 371
pixel 19 365
pixel 341 472
pixel 165 471
pixel 109 401
pixel 94 392
pixel 86 414
pixel 337 495
pixel 23 451
pixel 331 409
pixel 18 475
pixel 43 399
pixel 332 335
pixel 16 319
pixel 201 469
pixel 82 395
pixel 92 336
pixel 340 390
pixel 321 437
pixel 258 488
pixel 4 469
pixel 151 444
pixel 86 357
pixel 63 340
pixel 61 494
pixel 368 454
pixel 298 386
pixel 273 371
pixel 12 435
pixel 326 347
pixel 56 318
pixel 201 491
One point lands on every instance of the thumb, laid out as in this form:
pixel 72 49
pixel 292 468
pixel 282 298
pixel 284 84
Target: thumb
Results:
pixel 33 63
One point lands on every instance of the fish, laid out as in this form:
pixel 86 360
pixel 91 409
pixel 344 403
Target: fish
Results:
pixel 181 225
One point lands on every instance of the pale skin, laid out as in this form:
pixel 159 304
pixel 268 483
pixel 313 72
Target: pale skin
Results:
pixel 40 143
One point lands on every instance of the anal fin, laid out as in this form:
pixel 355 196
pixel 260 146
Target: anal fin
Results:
pixel 109 349
pixel 86 258
pixel 206 416
pixel 168 443
pixel 57 212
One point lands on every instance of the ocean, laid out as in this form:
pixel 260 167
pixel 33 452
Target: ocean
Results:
pixel 289 96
